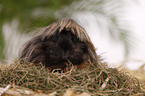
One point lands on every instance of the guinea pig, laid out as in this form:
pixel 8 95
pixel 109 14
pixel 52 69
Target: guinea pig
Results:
pixel 59 44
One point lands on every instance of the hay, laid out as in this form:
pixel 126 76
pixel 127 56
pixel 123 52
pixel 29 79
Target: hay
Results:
pixel 94 80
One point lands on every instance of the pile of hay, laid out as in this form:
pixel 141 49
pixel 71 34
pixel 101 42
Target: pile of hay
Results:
pixel 94 80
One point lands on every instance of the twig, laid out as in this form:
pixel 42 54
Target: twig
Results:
pixel 104 84
pixel 3 90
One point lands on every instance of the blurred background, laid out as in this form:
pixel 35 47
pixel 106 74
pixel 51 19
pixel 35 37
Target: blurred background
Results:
pixel 116 27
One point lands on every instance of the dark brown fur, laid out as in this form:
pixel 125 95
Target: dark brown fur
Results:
pixel 58 44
